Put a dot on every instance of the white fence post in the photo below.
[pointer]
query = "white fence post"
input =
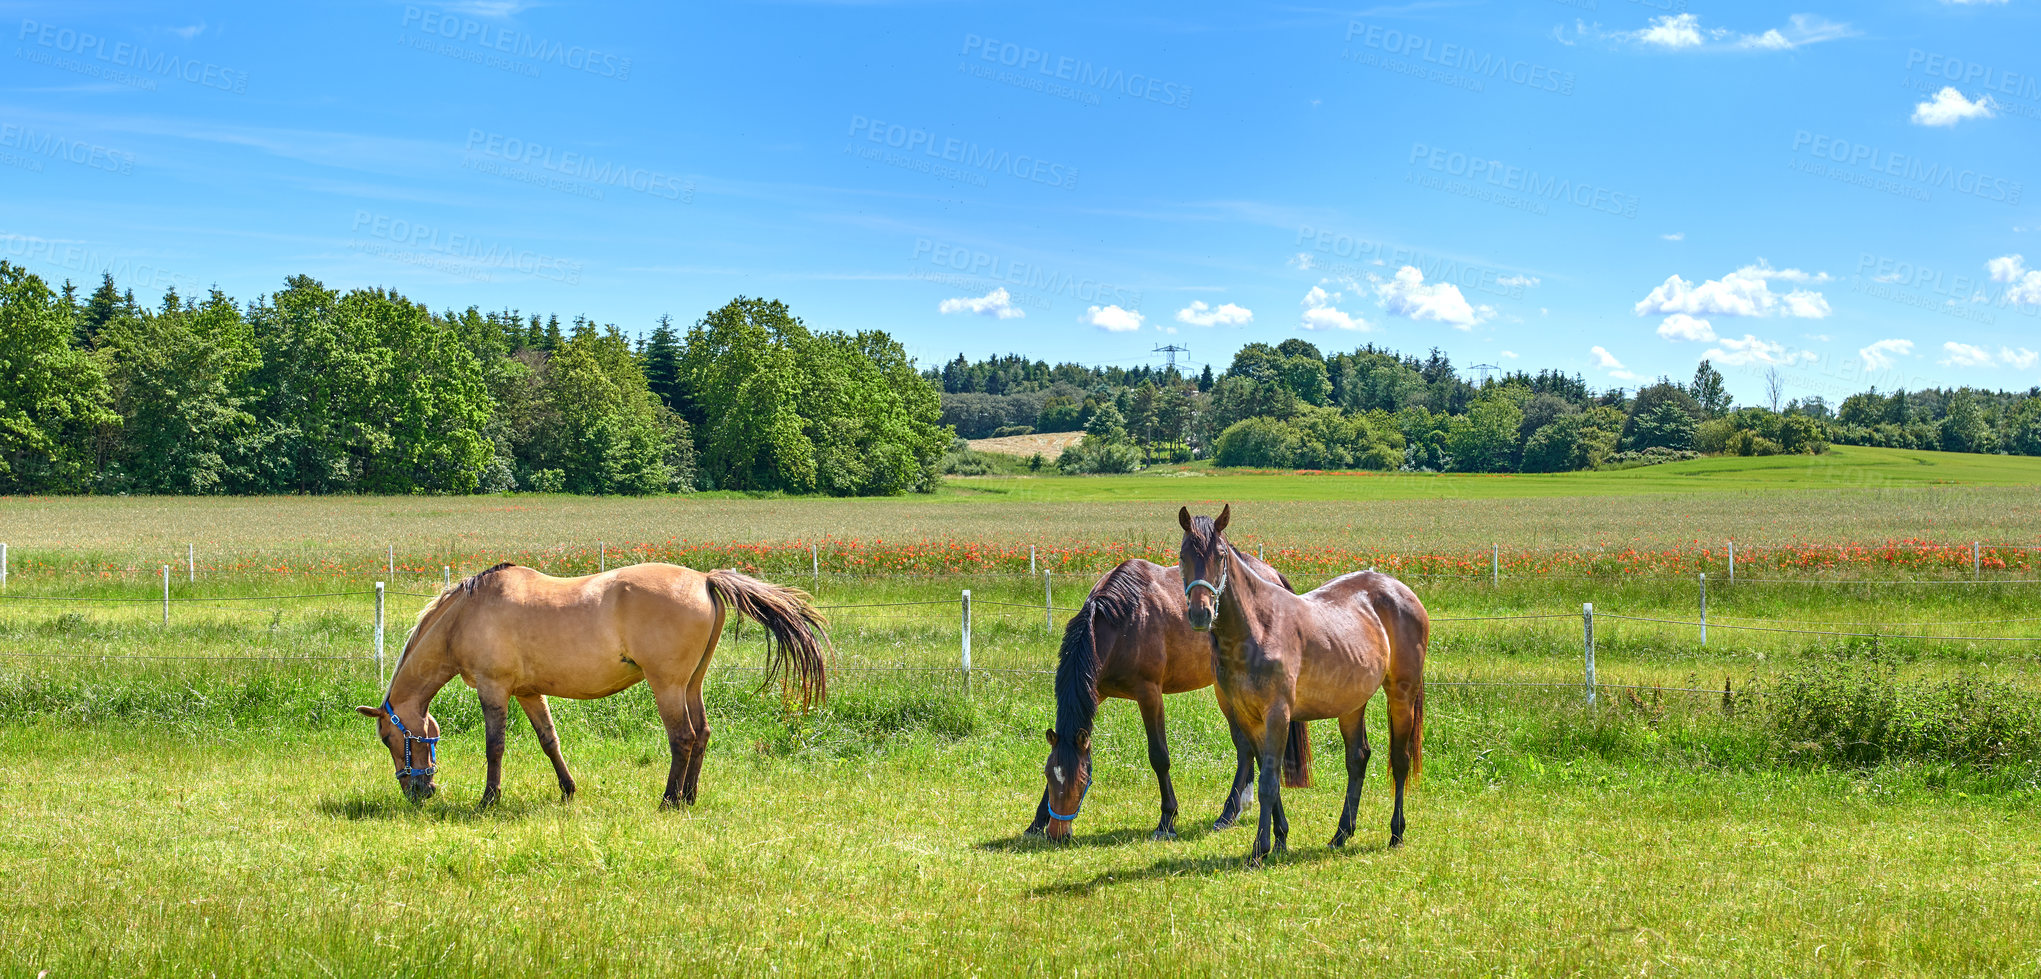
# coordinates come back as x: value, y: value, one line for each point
x: 1587, y: 625
x: 1976, y: 567
x: 3, y: 567
x: 446, y: 576
x: 1704, y: 608
x: 601, y: 556
x: 967, y: 641
x: 393, y: 561
x: 191, y: 563
x: 379, y: 632
x: 1495, y: 565
x: 1259, y: 554
x: 166, y: 596
x: 1732, y: 562
x: 1048, y: 603
x: 1031, y: 559
x: 815, y: 563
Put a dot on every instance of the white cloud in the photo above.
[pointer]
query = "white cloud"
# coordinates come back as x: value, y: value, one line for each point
x: 1302, y: 260
x: 1112, y: 319
x: 1949, y: 107
x: 190, y: 32
x: 1199, y: 314
x: 1885, y: 353
x: 1818, y: 337
x: 1685, y: 32
x: 1680, y: 326
x: 1675, y: 236
x: 1406, y: 295
x: 1509, y: 355
x: 996, y: 303
x: 1674, y: 31
x: 1518, y: 280
x: 1744, y: 292
x: 1965, y: 355
x: 1321, y: 314
x: 2019, y: 357
x: 1608, y: 362
x: 2012, y: 270
x: 1751, y: 350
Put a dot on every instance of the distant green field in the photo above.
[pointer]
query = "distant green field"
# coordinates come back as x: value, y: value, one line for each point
x: 1842, y: 468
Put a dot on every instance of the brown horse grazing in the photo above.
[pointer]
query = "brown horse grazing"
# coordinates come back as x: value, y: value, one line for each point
x: 514, y: 632
x: 1130, y: 640
x: 1282, y: 657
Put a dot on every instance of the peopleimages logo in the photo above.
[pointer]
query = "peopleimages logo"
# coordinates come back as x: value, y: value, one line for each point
x: 962, y: 152
x: 517, y: 43
x: 1445, y: 54
x: 575, y: 165
x: 57, y: 147
x: 1076, y: 71
x: 1538, y: 187
x: 1874, y: 160
x: 141, y: 60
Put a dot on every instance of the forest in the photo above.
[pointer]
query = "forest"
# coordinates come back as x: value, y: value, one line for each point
x: 314, y: 390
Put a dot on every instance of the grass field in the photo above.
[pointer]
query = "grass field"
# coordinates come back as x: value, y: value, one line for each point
x: 201, y: 798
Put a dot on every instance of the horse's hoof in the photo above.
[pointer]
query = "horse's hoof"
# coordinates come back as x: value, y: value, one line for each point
x: 1339, y: 839
x: 1222, y: 824
x: 1162, y: 834
x: 1395, y: 841
x: 1036, y: 832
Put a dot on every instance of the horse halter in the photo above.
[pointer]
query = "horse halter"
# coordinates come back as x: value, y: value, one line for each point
x: 431, y: 745
x: 1219, y: 589
x: 1059, y: 817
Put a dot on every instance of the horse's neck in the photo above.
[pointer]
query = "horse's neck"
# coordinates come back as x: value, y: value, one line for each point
x: 421, y: 671
x: 1246, y: 598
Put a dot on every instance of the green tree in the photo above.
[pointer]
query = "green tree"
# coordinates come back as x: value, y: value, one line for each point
x: 1487, y: 441
x: 180, y: 383
x: 662, y: 362
x: 1708, y: 391
x: 52, y: 394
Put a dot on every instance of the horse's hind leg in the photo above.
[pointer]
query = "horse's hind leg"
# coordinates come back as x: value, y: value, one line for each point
x: 495, y: 724
x: 1150, y: 699
x: 1242, y: 791
x: 1402, y: 724
x: 699, y: 715
x: 1354, y: 728
x: 542, y: 724
x: 672, y: 699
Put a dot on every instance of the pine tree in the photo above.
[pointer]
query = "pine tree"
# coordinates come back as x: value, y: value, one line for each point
x: 552, y: 339
x: 104, y: 305
x: 661, y: 355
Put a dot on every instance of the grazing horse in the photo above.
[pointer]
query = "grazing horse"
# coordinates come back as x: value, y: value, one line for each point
x: 1130, y: 640
x: 1281, y: 658
x: 514, y: 632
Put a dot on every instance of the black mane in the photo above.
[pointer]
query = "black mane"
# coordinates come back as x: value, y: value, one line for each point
x: 1115, y: 599
x: 468, y: 586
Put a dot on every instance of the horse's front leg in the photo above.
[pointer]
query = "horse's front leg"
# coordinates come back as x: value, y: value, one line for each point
x: 1273, y: 833
x: 1242, y: 791
x: 1040, y: 827
x: 1150, y: 699
x: 495, y: 724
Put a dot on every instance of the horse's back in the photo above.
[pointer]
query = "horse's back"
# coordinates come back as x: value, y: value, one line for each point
x: 585, y: 636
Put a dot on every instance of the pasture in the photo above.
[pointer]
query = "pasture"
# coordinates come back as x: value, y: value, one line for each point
x: 200, y: 796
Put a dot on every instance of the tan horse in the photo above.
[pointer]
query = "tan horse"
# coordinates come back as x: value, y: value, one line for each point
x: 1130, y: 640
x: 1282, y: 658
x: 512, y: 632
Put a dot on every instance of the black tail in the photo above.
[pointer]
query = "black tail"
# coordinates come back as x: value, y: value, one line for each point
x: 795, y: 627
x: 1297, y: 757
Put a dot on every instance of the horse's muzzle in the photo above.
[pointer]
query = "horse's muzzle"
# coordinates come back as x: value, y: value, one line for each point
x: 417, y: 790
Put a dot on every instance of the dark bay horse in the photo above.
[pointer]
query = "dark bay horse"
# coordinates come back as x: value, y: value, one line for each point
x: 1130, y: 640
x: 1282, y: 658
x: 512, y: 632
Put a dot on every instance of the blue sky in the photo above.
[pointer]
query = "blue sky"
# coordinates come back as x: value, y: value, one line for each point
x: 1845, y: 193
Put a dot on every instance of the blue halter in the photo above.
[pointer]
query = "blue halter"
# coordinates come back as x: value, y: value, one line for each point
x: 431, y: 745
x: 1059, y: 817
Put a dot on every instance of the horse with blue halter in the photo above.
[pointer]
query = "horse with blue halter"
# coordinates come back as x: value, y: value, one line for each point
x: 1130, y: 640
x: 1280, y: 658
x: 514, y: 633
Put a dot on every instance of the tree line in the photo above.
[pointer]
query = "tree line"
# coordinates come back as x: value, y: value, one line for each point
x: 1289, y: 405
x: 311, y: 390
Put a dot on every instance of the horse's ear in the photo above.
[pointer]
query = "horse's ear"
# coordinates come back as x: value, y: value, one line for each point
x: 1051, y: 732
x: 1183, y: 516
x: 1084, y: 743
x: 367, y: 711
x: 1225, y: 514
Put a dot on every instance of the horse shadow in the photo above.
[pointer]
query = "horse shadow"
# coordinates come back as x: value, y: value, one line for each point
x: 1200, y: 867
x: 359, y: 808
x: 1022, y: 842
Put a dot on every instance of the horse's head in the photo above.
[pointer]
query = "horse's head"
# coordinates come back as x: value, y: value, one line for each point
x: 414, y: 749
x: 1068, y: 772
x: 1206, y: 563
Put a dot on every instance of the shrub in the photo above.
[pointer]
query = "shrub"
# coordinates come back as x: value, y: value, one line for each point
x: 1004, y: 431
x: 1853, y: 710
